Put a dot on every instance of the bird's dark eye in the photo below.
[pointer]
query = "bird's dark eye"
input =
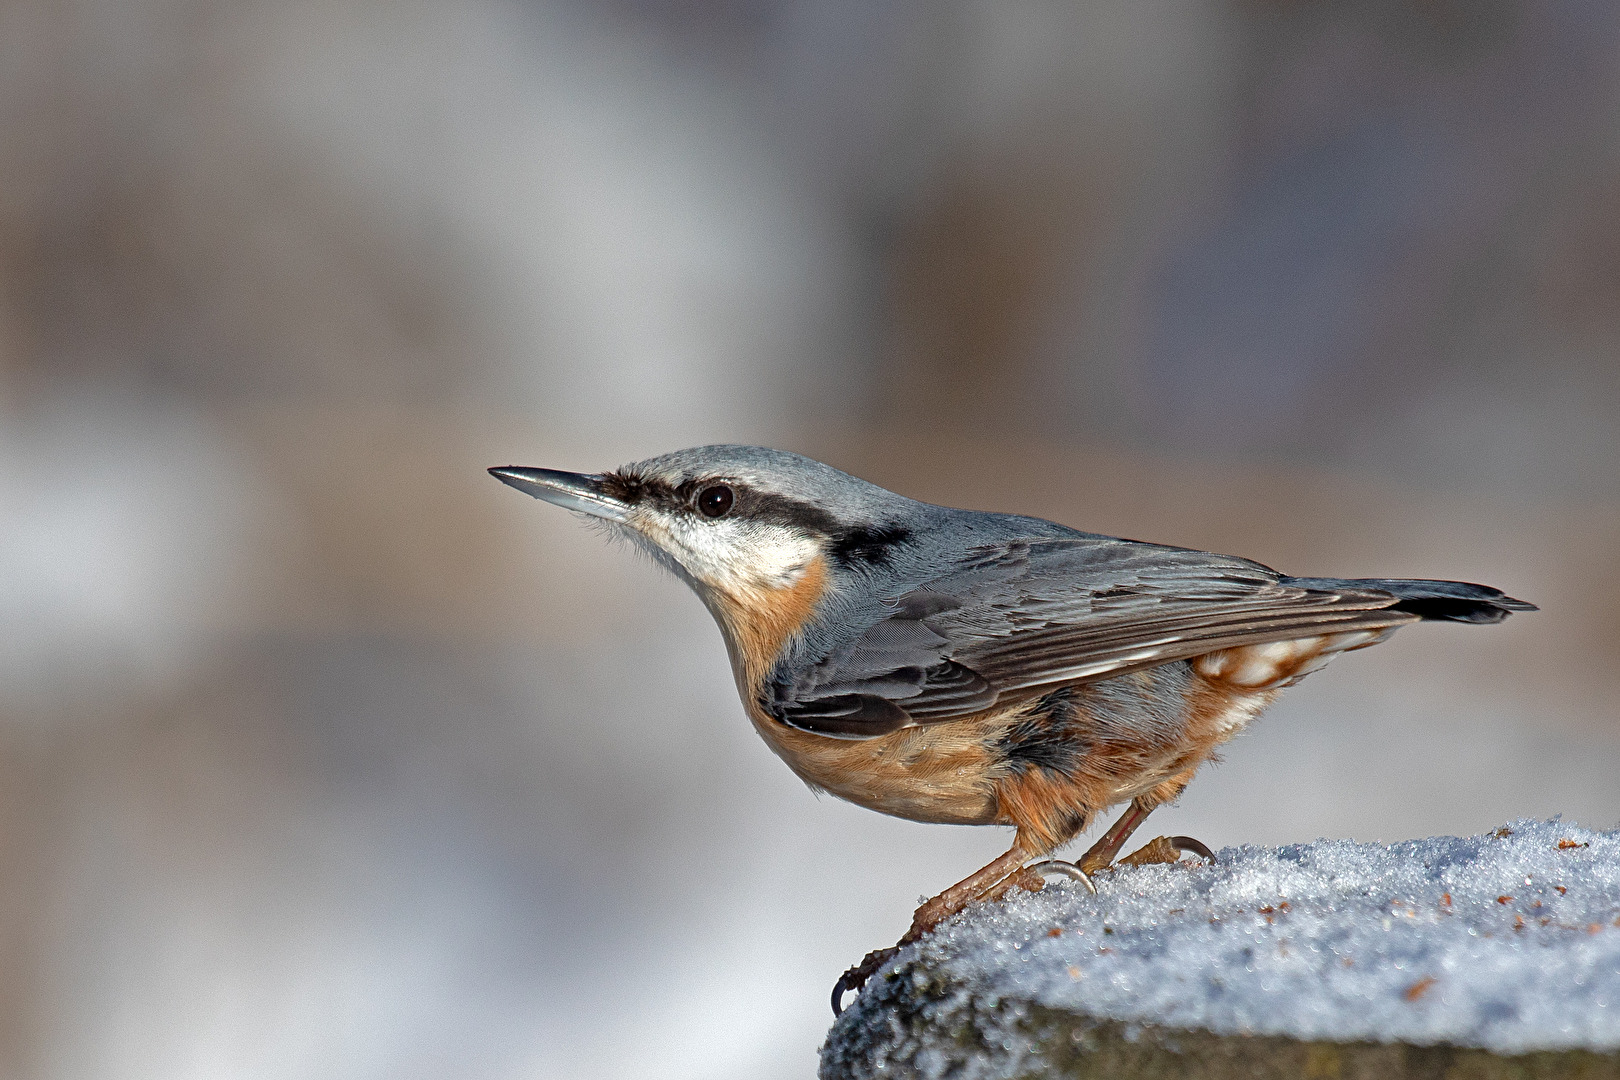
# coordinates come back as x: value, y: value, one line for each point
x: 714, y: 501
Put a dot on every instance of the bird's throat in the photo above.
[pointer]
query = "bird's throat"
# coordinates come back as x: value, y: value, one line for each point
x: 757, y: 622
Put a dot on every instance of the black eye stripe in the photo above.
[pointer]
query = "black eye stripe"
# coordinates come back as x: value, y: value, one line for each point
x: 868, y: 545
x: 848, y: 545
x: 774, y: 509
x: 632, y: 489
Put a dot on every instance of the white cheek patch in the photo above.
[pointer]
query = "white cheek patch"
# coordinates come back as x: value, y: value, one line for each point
x: 734, y: 555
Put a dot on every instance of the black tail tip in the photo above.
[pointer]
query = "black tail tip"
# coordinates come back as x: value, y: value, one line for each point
x: 1456, y: 601
x: 1448, y: 609
x: 1449, y: 601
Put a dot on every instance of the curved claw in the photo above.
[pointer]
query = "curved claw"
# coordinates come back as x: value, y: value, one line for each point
x: 1166, y: 849
x: 1066, y: 869
x: 1192, y: 847
x: 855, y: 977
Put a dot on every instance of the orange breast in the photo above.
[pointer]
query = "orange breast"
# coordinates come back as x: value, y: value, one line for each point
x: 940, y: 773
x: 758, y: 623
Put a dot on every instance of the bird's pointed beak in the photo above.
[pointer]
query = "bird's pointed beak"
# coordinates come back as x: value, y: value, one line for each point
x: 571, y: 491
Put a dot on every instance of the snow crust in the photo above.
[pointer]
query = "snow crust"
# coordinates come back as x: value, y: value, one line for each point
x: 1508, y: 941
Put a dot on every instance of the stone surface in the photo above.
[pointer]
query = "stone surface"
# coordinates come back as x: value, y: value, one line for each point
x: 1494, y: 955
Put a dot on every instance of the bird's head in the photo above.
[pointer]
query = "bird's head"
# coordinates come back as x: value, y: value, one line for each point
x: 738, y: 523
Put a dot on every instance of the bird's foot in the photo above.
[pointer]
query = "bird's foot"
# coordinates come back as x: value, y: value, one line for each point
x: 852, y: 980
x: 986, y: 883
x: 1046, y: 867
x: 1167, y: 849
x: 1032, y: 878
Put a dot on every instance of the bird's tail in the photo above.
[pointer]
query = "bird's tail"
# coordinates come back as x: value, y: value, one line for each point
x: 1452, y: 601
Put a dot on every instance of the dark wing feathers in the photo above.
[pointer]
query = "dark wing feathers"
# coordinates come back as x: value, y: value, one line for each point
x: 1068, y: 658
x: 1024, y: 614
x: 846, y: 716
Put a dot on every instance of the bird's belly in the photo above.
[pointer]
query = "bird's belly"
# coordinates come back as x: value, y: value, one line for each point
x: 942, y: 773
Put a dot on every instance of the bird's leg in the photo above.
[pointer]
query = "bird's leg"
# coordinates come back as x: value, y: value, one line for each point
x: 1162, y: 849
x: 936, y: 911
x: 1102, y: 853
x: 969, y: 889
x: 1025, y: 877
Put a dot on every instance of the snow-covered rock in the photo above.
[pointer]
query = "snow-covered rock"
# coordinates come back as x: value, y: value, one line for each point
x: 1507, y: 943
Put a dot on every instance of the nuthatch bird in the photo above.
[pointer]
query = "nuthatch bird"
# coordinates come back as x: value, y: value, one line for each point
x: 976, y: 668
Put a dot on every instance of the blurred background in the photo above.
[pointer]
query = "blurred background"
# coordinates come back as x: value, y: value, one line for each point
x: 323, y: 754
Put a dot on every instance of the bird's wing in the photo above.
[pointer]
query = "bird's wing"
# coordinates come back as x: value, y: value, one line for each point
x: 1014, y: 617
